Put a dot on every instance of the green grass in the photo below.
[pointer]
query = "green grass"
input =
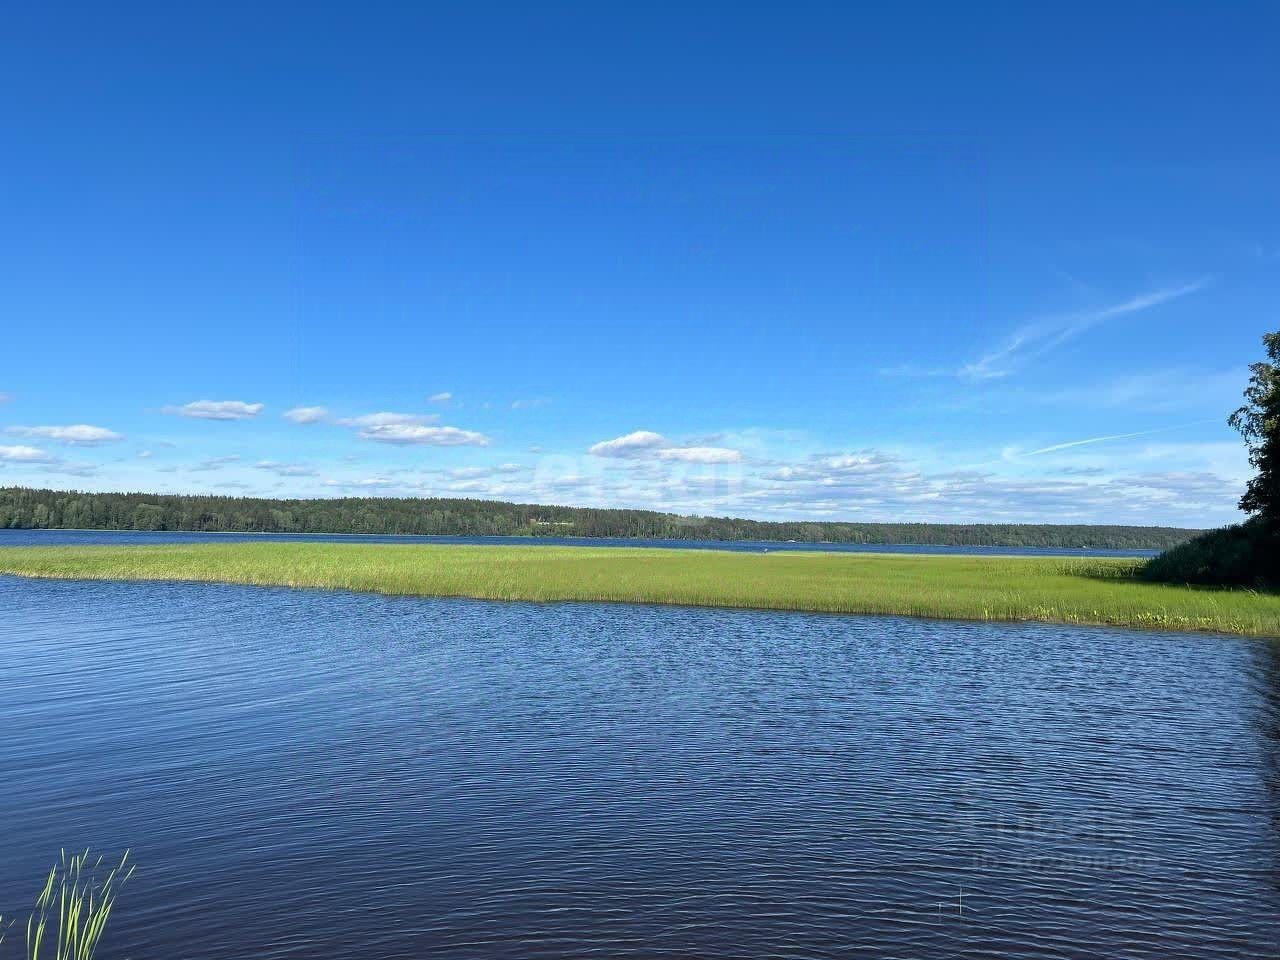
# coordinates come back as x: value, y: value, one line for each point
x: 958, y: 587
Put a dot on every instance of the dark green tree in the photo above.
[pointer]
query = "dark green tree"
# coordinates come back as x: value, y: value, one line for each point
x: 1245, y: 554
x: 1258, y: 420
x: 24, y: 507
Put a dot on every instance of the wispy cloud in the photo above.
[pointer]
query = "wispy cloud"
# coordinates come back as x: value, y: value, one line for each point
x: 5, y: 397
x: 700, y: 454
x: 213, y: 463
x: 1037, y: 339
x: 285, y: 469
x: 306, y: 415
x: 444, y: 396
x: 81, y: 434
x: 217, y: 410
x: 529, y: 404
x: 1155, y: 391
x: 471, y: 473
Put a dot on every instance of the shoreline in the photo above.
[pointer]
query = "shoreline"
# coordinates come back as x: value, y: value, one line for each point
x: 1072, y: 591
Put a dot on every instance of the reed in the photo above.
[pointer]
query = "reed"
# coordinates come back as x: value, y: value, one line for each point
x: 1055, y: 589
x: 72, y: 910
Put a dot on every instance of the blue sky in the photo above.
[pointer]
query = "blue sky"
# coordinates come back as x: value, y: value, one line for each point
x: 952, y: 262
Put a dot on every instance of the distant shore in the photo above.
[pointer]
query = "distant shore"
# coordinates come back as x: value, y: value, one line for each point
x: 1097, y: 591
x: 88, y: 536
x: 28, y: 508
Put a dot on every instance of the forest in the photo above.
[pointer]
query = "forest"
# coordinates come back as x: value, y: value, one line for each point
x: 26, y: 508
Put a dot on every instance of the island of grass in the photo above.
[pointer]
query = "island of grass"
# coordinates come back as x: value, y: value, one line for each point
x: 1050, y: 589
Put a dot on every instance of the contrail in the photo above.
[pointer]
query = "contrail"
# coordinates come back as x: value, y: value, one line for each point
x: 1039, y: 338
x: 1115, y: 436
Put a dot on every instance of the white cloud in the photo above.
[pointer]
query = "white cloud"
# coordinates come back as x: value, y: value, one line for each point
x: 411, y: 428
x: 285, y: 469
x: 1183, y: 487
x: 631, y: 445
x: 833, y: 468
x: 387, y: 419
x: 44, y: 461
x: 645, y: 444
x: 864, y: 461
x: 5, y: 397
x: 217, y: 410
x: 700, y: 454
x: 443, y: 396
x: 306, y: 414
x: 23, y: 454
x: 1039, y: 338
x: 78, y: 433
x: 409, y: 433
x: 528, y: 404
x: 878, y: 485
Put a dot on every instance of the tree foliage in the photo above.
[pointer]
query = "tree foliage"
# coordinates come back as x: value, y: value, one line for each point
x: 1258, y: 420
x: 1246, y: 554
x: 1242, y: 555
x: 28, y: 508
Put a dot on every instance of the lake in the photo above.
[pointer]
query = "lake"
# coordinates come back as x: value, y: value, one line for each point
x: 318, y: 774
x: 55, y: 538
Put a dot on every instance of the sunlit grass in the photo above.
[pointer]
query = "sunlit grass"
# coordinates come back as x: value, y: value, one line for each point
x: 1093, y: 591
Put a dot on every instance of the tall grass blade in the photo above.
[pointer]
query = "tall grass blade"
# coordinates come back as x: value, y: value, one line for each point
x: 85, y: 899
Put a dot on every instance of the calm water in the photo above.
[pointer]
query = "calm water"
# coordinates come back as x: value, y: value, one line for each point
x: 50, y: 538
x: 313, y: 774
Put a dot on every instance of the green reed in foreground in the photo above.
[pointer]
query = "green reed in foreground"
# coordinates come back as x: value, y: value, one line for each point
x: 72, y: 910
x: 1054, y: 589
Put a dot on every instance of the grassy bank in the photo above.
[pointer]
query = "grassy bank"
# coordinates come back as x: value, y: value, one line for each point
x: 976, y: 588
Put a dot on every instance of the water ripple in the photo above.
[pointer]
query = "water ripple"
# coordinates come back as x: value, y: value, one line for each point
x: 318, y: 774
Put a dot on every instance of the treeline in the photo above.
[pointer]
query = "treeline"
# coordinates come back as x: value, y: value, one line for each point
x: 26, y: 508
